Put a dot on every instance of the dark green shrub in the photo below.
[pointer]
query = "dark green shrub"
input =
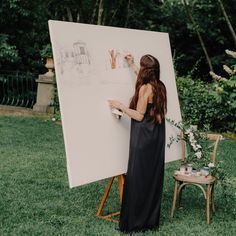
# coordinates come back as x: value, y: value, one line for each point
x: 224, y: 94
x: 46, y: 51
x: 212, y: 104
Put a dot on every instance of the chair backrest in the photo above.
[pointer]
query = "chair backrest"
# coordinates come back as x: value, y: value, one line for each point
x: 213, y: 137
x: 216, y: 138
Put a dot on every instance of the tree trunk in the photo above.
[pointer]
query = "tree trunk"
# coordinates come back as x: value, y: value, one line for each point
x: 113, y: 16
x: 69, y: 14
x: 104, y: 18
x: 94, y: 12
x: 128, y: 13
x: 227, y: 21
x: 100, y: 12
x: 78, y: 17
x: 199, y: 35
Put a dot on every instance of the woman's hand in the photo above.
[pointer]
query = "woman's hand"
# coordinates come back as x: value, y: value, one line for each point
x: 134, y: 114
x: 115, y: 104
x: 130, y: 59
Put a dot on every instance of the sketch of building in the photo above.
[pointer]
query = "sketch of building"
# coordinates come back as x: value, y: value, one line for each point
x: 75, y: 57
x: 81, y: 53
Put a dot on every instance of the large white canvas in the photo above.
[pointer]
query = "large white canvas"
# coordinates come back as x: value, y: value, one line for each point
x: 96, y: 142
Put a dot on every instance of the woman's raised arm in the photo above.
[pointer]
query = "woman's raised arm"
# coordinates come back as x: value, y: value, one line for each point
x: 130, y: 60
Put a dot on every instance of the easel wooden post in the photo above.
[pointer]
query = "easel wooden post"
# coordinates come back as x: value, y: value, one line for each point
x: 121, y: 180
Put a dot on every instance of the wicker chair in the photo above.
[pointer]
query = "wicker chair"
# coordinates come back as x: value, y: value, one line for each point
x: 206, y: 184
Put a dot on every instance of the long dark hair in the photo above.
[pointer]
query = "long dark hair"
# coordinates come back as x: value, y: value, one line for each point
x: 150, y: 73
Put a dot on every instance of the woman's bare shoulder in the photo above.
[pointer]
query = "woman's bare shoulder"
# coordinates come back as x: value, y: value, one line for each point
x: 145, y: 89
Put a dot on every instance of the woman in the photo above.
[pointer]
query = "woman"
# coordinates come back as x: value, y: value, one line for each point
x: 140, y: 209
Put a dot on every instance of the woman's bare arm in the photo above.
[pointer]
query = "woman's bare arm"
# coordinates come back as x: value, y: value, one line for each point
x: 138, y: 114
x: 135, y: 68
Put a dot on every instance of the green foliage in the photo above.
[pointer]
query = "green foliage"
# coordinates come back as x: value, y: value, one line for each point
x: 46, y: 51
x: 8, y: 53
x: 196, y: 104
x: 211, y: 104
x: 36, y: 198
x: 212, y: 26
x: 25, y: 24
x: 224, y: 94
x: 56, y: 103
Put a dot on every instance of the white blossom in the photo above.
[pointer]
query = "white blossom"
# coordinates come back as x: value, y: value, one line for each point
x: 191, y: 137
x: 192, y: 141
x: 187, y: 131
x: 198, y: 154
x: 231, y: 53
x: 216, y: 77
x: 193, y: 127
x: 219, y: 89
x: 199, y: 146
x: 211, y: 165
x: 191, y: 134
x: 228, y: 70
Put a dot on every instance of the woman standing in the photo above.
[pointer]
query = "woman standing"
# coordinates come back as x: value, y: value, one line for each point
x: 141, y: 202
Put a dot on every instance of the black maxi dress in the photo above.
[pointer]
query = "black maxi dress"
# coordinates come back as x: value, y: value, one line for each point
x: 141, y: 202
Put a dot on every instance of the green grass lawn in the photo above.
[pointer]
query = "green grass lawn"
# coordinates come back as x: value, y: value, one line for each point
x: 35, y: 198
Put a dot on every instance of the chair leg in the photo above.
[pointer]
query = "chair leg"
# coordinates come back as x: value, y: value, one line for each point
x: 208, y: 203
x: 180, y: 194
x: 212, y: 199
x: 174, y: 199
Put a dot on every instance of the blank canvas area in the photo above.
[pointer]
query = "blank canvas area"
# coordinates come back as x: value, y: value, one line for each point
x: 96, y: 142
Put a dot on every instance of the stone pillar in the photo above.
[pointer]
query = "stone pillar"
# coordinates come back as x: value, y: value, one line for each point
x: 45, y: 89
x: 44, y: 93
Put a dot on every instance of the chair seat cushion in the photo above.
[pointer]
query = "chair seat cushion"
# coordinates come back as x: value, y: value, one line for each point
x: 195, y: 179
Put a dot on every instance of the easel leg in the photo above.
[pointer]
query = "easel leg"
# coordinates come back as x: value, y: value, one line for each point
x: 121, y: 179
x: 104, y: 198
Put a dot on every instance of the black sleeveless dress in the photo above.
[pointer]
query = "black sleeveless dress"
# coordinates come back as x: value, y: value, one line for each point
x: 141, y: 203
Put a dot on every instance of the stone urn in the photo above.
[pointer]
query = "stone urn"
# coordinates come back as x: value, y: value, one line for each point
x: 50, y: 66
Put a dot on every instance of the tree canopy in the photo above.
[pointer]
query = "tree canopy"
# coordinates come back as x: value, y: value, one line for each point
x: 200, y: 30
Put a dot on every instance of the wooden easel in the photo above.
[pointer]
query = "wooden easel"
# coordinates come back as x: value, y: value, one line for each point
x: 121, y: 180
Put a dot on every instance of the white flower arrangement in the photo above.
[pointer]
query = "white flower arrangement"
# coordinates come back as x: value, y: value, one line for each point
x: 192, y: 141
x: 198, y: 150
